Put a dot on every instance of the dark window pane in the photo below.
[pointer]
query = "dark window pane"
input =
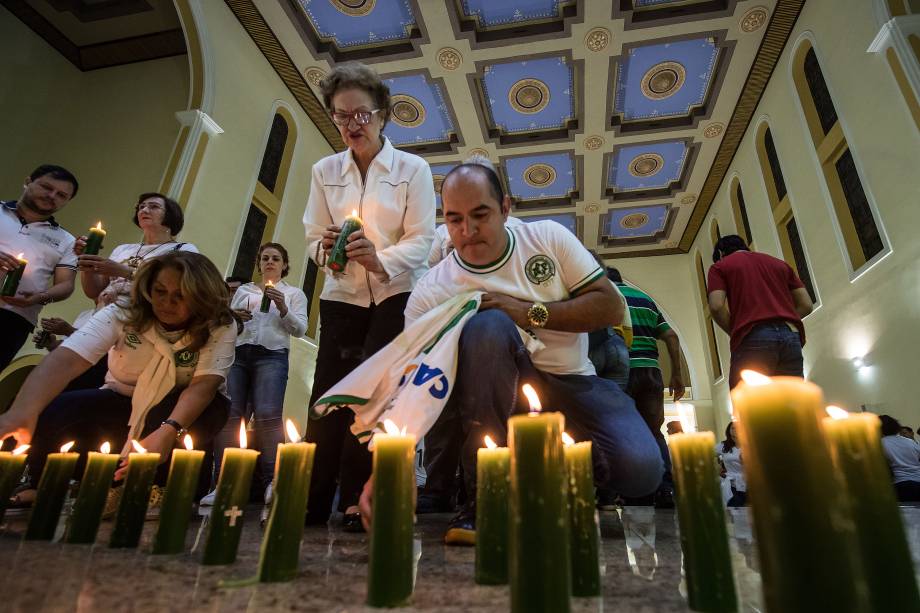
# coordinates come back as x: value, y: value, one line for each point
x: 744, y: 216
x: 775, y: 169
x: 309, y: 285
x: 798, y: 254
x: 866, y: 229
x: 827, y: 114
x: 274, y: 151
x: 249, y: 243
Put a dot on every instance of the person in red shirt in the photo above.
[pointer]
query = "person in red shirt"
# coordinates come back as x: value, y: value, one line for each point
x: 760, y: 302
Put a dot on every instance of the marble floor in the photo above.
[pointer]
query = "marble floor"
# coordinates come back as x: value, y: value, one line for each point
x: 641, y: 556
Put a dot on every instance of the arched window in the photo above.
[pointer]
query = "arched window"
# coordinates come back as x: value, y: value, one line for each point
x: 714, y: 232
x: 715, y: 360
x: 265, y: 207
x: 786, y: 227
x: 739, y: 211
x: 856, y: 219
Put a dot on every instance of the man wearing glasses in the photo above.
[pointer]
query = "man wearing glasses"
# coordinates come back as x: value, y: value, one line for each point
x: 27, y: 227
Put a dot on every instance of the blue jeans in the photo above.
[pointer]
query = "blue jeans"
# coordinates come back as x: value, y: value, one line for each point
x: 771, y: 348
x: 611, y: 360
x: 493, y: 364
x: 257, y: 382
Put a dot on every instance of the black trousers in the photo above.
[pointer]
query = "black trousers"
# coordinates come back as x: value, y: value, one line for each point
x: 91, y: 417
x: 14, y: 331
x: 646, y: 389
x: 349, y: 334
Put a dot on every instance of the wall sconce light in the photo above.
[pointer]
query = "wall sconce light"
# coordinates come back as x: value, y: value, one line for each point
x: 859, y: 362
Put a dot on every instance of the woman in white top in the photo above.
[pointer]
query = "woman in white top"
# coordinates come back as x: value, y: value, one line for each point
x: 361, y: 309
x: 169, y: 355
x: 161, y: 219
x: 259, y: 375
x: 729, y: 453
x: 903, y: 455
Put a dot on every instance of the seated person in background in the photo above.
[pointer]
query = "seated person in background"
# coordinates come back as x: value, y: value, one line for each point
x: 169, y: 355
x: 907, y: 432
x: 540, y: 278
x: 674, y: 427
x: 160, y: 219
x: 729, y: 452
x: 903, y: 455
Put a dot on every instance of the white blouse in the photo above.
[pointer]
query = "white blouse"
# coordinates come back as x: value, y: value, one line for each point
x: 734, y: 469
x: 132, y: 255
x: 270, y: 330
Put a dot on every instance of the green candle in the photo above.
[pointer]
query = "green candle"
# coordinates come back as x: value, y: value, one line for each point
x: 184, y: 470
x: 805, y: 535
x: 337, y: 256
x: 11, y: 466
x: 280, y: 554
x: 855, y: 441
x: 493, y: 466
x: 135, y: 496
x: 94, y: 489
x: 52, y: 490
x: 586, y: 532
x: 703, y: 533
x: 12, y: 278
x: 226, y: 522
x: 94, y: 240
x: 390, y: 576
x: 539, y: 563
x: 266, y: 301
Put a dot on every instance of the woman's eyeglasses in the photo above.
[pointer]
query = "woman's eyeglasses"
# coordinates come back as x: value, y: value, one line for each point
x: 362, y: 118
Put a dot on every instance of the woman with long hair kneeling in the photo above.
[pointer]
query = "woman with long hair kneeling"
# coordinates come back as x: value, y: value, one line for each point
x: 169, y: 353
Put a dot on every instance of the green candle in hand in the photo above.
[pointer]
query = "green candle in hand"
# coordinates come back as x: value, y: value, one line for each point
x: 337, y: 256
x: 135, y: 496
x: 94, y: 489
x: 11, y: 279
x: 11, y: 466
x: 493, y: 465
x: 184, y: 471
x: 52, y: 490
x: 94, y: 240
x: 280, y: 554
x: 586, y: 532
x: 266, y: 301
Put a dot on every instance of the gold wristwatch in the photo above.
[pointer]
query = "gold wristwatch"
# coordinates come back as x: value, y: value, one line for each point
x: 537, y: 315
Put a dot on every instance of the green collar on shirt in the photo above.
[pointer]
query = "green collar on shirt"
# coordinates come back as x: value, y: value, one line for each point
x: 487, y: 268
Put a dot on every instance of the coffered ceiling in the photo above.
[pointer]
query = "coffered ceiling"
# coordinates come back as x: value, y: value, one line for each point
x: 616, y: 118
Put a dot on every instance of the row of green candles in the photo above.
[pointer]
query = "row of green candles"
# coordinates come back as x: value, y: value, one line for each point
x: 281, y: 542
x: 828, y: 527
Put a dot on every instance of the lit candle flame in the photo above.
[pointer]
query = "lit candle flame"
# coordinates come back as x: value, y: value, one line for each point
x: 354, y: 212
x: 292, y: 432
x: 99, y: 226
x: 242, y: 434
x: 19, y: 257
x: 752, y: 377
x: 837, y: 412
x: 137, y: 447
x: 531, y: 393
x: 269, y: 284
x: 567, y: 440
x: 188, y: 442
x: 21, y: 449
x: 490, y: 443
x: 390, y: 427
x: 105, y: 447
x: 67, y: 446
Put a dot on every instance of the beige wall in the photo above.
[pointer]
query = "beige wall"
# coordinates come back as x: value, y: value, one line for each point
x: 876, y: 313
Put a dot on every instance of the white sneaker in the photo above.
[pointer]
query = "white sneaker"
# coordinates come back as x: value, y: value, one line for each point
x: 208, y: 500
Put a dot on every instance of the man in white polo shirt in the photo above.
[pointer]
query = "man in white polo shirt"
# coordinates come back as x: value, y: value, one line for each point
x: 540, y: 278
x: 27, y: 227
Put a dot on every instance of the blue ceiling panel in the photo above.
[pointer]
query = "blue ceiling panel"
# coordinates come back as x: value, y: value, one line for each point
x: 420, y: 114
x: 636, y: 222
x: 358, y: 23
x: 664, y: 80
x: 566, y: 219
x: 493, y: 13
x: 438, y: 172
x: 542, y: 176
x: 530, y: 95
x: 646, y: 166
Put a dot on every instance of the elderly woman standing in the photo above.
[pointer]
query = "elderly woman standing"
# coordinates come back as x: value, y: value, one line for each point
x: 361, y: 308
x: 160, y: 218
x: 169, y: 354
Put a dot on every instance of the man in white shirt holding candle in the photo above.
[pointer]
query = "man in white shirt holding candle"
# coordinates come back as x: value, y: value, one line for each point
x: 27, y: 227
x: 537, y: 277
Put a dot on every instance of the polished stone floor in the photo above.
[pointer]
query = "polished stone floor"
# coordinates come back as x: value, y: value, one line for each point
x: 641, y: 555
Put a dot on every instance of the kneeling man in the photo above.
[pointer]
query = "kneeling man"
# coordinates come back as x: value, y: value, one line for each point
x: 540, y: 278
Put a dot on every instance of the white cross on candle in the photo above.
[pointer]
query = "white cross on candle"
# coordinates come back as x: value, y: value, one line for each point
x: 233, y: 513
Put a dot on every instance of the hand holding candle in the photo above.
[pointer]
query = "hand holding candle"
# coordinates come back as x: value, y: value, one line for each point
x: 52, y: 490
x: 337, y: 256
x: 94, y: 240
x: 184, y: 471
x: 94, y: 489
x: 493, y: 465
x: 11, y: 466
x: 266, y: 301
x: 11, y: 281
